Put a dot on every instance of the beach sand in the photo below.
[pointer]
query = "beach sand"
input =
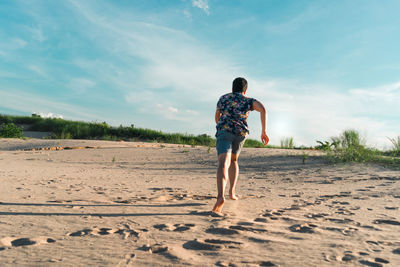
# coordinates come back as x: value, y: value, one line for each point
x: 102, y: 203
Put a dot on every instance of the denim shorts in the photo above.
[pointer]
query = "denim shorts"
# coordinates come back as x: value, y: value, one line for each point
x: 229, y: 142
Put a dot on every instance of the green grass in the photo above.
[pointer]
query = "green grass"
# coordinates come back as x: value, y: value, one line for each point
x: 66, y: 129
x: 395, y: 142
x: 252, y: 143
x: 287, y: 142
x: 396, y: 147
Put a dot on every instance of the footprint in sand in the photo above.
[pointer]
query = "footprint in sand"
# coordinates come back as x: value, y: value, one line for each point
x: 255, y: 263
x: 19, y: 242
x: 348, y: 258
x: 169, y: 253
x: 273, y: 214
x: 392, y: 208
x: 262, y: 220
x: 167, y: 189
x: 126, y: 232
x: 315, y: 215
x: 371, y: 263
x: 222, y: 231
x: 247, y: 228
x: 170, y: 193
x: 381, y: 260
x: 391, y: 222
x: 236, y: 229
x: 179, y: 227
x: 345, y: 231
x: 128, y: 259
x: 363, y: 190
x: 341, y: 221
x: 155, y: 248
x: 306, y: 228
x: 211, y: 244
x: 344, y: 211
x: 341, y: 202
x: 203, y: 197
x: 301, y: 203
x: 259, y: 240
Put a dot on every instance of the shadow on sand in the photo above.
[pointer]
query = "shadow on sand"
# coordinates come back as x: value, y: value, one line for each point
x: 104, y: 205
x: 90, y: 214
x: 98, y: 205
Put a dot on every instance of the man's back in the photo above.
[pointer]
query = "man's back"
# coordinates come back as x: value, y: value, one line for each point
x: 234, y: 109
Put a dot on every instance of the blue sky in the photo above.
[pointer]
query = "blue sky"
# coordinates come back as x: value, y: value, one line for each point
x: 320, y: 67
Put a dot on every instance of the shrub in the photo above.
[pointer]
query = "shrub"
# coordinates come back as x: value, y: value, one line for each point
x: 350, y: 147
x: 326, y: 145
x: 65, y: 129
x: 10, y: 130
x: 253, y: 143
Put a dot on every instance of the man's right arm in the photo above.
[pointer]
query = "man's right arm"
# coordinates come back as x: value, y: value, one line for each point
x: 263, y: 116
x: 217, y: 115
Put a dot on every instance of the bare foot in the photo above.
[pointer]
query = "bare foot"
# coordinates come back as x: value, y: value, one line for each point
x: 233, y: 196
x: 219, y: 204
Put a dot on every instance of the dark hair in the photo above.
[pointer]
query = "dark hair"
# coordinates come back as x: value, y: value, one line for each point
x: 239, y: 85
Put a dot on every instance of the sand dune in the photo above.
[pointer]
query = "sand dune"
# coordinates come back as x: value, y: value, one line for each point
x: 105, y: 203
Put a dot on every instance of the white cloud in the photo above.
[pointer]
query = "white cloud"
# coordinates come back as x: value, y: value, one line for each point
x: 307, y: 15
x: 187, y: 14
x: 36, y: 33
x: 173, y: 110
x: 9, y: 46
x: 387, y: 93
x: 202, y: 4
x: 13, y: 44
x: 48, y: 115
x: 17, y: 43
x: 167, y: 112
x: 37, y: 69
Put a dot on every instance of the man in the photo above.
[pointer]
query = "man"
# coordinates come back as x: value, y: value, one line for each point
x: 232, y: 130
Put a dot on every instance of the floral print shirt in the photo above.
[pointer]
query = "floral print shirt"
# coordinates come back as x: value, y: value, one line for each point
x: 234, y: 108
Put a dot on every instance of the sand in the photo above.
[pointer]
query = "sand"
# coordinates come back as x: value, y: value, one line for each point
x: 104, y: 203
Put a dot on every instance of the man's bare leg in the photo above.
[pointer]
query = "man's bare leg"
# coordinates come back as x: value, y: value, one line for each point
x: 233, y: 176
x: 222, y: 174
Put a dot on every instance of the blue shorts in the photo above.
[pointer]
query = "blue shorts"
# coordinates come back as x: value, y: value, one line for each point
x: 229, y: 142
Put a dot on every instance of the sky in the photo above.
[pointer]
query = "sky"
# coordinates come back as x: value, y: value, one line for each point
x: 319, y: 67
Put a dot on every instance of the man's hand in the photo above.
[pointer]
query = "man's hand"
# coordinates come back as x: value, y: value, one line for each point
x: 263, y: 117
x: 264, y: 138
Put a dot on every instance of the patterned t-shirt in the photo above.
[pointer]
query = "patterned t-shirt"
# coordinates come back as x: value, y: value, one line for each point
x: 234, y: 108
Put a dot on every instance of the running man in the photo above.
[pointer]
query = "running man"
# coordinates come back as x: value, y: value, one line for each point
x: 232, y: 130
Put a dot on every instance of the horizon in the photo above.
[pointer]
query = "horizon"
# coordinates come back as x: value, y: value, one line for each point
x: 319, y: 68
